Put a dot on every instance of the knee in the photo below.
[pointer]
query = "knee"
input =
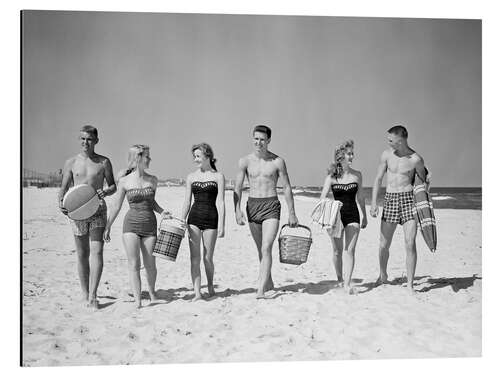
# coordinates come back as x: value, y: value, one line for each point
x: 337, y: 251
x: 207, y: 259
x: 195, y: 258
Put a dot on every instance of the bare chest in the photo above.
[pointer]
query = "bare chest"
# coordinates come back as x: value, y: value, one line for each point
x: 401, y: 165
x: 262, y: 169
x: 87, y: 170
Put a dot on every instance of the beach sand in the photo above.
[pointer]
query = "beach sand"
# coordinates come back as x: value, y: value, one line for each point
x: 308, y: 318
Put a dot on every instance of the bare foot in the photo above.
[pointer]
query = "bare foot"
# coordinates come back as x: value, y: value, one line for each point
x: 211, y: 291
x: 197, y: 297
x: 153, y: 297
x: 93, y: 304
x: 350, y: 290
x: 382, y: 280
x: 269, y: 286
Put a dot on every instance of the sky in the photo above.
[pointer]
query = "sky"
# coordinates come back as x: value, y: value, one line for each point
x: 173, y: 80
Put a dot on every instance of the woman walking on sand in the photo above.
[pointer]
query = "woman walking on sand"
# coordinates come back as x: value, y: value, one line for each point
x: 347, y: 185
x: 206, y: 218
x: 139, y: 224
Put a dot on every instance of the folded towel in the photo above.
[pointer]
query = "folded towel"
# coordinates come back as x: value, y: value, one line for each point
x: 326, y: 213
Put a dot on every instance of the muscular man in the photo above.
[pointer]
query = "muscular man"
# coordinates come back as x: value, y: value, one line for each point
x: 400, y: 163
x: 92, y: 169
x: 263, y: 168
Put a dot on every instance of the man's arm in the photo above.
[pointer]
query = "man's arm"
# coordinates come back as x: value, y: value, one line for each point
x: 287, y: 191
x: 382, y: 168
x: 420, y: 170
x: 220, y: 204
x: 110, y: 180
x: 238, y: 185
x: 67, y: 179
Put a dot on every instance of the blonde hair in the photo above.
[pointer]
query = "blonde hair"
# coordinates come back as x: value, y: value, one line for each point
x: 335, y: 169
x: 134, y: 155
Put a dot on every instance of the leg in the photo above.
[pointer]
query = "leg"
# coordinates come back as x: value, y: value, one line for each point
x: 209, y: 237
x: 131, y: 243
x: 386, y: 233
x: 194, y: 248
x: 269, y: 231
x: 96, y: 263
x: 410, y: 232
x: 351, y: 232
x: 337, y: 245
x: 83, y: 252
x: 147, y: 246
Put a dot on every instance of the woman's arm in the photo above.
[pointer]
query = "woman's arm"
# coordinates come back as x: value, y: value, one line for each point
x: 326, y: 187
x: 187, y: 199
x: 220, y: 204
x: 360, y: 198
x: 116, y: 207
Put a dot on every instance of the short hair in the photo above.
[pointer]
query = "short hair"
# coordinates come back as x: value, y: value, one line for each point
x: 89, y: 129
x: 399, y: 131
x: 263, y: 129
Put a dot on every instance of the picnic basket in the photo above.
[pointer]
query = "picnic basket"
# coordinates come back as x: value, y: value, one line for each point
x: 294, y: 248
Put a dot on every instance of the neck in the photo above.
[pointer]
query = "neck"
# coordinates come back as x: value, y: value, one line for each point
x: 260, y: 154
x: 140, y: 171
x: 87, y: 154
x: 205, y: 168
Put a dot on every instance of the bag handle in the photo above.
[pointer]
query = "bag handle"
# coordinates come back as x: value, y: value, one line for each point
x: 298, y: 226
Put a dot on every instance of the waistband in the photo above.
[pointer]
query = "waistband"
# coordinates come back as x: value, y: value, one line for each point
x: 265, y: 199
x: 399, y: 194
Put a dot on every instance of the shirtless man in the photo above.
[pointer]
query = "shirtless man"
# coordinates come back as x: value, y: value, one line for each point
x: 89, y: 168
x: 401, y: 163
x: 263, y: 168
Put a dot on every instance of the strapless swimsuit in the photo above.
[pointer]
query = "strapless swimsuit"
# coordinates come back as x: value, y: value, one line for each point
x: 203, y: 213
x: 140, y: 219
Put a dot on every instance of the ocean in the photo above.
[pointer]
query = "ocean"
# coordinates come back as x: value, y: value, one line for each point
x: 460, y: 198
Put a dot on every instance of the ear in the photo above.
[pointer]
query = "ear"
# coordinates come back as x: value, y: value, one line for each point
x: 96, y: 140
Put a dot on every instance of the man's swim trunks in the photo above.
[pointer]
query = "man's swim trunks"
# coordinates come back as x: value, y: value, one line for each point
x: 98, y: 220
x: 260, y: 209
x: 398, y: 207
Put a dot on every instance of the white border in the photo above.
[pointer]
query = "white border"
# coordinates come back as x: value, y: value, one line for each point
x: 421, y: 9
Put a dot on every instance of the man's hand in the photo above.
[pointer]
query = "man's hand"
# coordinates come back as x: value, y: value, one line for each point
x: 240, y: 218
x: 374, y: 210
x: 292, y: 220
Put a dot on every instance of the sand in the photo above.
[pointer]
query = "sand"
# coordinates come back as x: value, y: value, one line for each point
x: 309, y: 317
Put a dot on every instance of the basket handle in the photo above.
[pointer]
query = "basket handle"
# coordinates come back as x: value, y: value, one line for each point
x: 298, y: 225
x: 172, y: 218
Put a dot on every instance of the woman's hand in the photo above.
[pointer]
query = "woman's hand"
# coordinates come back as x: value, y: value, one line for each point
x: 220, y: 233
x: 106, y: 235
x: 166, y: 215
x: 364, y: 222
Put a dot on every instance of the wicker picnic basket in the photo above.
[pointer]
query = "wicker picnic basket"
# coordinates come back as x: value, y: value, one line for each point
x: 170, y: 235
x: 294, y: 249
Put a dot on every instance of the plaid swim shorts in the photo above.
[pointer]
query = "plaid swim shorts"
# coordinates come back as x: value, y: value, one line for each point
x: 98, y: 220
x: 398, y: 207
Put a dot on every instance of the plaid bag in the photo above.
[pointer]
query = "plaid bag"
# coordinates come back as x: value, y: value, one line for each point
x: 168, y: 241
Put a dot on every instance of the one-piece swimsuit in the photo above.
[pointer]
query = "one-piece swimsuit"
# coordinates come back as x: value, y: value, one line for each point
x: 346, y: 193
x: 203, y: 213
x: 140, y: 219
